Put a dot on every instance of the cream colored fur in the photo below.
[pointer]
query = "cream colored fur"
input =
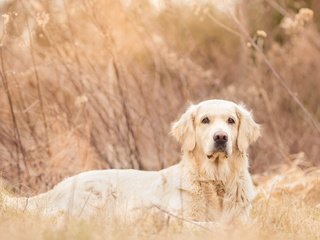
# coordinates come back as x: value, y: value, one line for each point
x: 204, y: 186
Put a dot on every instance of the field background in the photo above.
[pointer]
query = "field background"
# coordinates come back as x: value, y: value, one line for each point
x: 95, y: 84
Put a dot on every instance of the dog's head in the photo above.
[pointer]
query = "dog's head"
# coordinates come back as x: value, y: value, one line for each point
x: 216, y: 128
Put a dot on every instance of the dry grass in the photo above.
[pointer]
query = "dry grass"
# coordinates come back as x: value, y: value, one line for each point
x: 286, y: 207
x: 91, y: 84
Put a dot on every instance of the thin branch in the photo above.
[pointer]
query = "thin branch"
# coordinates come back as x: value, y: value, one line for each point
x: 278, y: 77
x: 182, y: 219
x: 244, y: 33
x: 14, y: 120
x: 222, y: 25
x: 278, y: 8
x: 38, y: 85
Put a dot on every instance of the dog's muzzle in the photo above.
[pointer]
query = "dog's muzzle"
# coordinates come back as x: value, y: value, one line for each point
x: 220, y: 139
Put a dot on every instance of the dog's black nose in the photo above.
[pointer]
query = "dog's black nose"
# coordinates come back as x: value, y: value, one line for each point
x: 220, y: 137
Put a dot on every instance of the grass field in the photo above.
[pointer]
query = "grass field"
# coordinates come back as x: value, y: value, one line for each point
x: 93, y: 84
x: 286, y: 207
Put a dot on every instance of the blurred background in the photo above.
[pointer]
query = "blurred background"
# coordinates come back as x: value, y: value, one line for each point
x: 95, y: 84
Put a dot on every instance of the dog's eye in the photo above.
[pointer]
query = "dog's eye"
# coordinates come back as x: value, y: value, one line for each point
x: 205, y: 120
x: 231, y: 120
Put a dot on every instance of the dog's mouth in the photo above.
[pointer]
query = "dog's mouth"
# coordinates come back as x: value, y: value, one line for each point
x: 210, y: 156
x: 218, y: 152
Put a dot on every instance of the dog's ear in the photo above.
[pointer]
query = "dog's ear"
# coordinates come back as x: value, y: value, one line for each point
x: 248, y: 131
x: 183, y: 130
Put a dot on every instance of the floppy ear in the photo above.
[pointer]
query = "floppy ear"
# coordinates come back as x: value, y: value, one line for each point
x: 183, y: 130
x: 248, y: 131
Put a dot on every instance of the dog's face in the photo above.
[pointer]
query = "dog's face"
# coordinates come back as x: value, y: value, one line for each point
x: 216, y: 128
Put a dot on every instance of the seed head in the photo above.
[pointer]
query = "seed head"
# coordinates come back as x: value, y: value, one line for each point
x: 262, y: 34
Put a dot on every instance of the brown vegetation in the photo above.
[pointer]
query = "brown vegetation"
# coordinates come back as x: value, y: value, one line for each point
x: 93, y: 84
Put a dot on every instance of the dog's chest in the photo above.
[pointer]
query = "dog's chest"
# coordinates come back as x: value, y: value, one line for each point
x: 206, y: 200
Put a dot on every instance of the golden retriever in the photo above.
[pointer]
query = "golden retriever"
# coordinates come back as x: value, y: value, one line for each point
x: 210, y: 182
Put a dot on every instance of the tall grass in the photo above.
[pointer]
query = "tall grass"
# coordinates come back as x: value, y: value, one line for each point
x: 94, y: 84
x: 286, y: 207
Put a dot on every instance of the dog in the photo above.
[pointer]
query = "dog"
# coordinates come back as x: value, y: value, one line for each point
x: 211, y: 182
